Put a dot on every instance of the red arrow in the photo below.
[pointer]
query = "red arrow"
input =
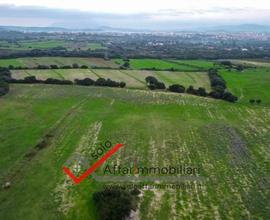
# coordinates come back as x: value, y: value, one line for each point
x: 94, y: 167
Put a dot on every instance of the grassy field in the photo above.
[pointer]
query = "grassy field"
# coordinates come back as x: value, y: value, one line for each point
x: 46, y: 44
x: 252, y: 63
x: 167, y: 64
x: 229, y: 141
x: 60, y: 61
x: 133, y: 78
x: 252, y: 83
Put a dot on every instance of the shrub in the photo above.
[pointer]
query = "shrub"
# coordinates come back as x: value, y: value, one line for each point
x: 201, y: 92
x: 152, y: 87
x: 122, y: 84
x: 160, y: 85
x: 54, y: 67
x: 58, y: 81
x: 84, y: 67
x: 258, y: 101
x: 114, y: 204
x: 177, y: 88
x: 85, y: 82
x: 4, y: 87
x: 151, y: 80
x: 43, y: 67
x: 75, y: 66
x: 251, y: 101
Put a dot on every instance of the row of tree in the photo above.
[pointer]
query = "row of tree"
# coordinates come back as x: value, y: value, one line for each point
x: 84, y: 82
x: 54, y: 66
x: 219, y: 87
x: 4, y: 86
x: 217, y: 82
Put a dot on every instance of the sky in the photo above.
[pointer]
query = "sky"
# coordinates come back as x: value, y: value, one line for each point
x: 170, y: 14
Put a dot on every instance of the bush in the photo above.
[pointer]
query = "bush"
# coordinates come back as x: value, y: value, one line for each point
x: 85, y: 82
x: 75, y: 66
x: 251, y: 101
x: 58, y: 81
x: 43, y: 67
x: 4, y: 87
x: 152, y: 87
x: 54, y: 67
x: 122, y: 84
x: 191, y: 90
x: 160, y: 85
x: 84, y: 67
x: 114, y: 204
x: 151, y: 80
x: 177, y: 88
x: 229, y: 97
x: 202, y: 92
x: 31, y: 79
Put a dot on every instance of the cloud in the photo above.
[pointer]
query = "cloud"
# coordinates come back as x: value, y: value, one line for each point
x: 162, y: 19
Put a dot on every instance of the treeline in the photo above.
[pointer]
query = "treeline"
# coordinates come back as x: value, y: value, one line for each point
x: 4, y: 86
x: 84, y: 82
x: 51, y: 52
x: 218, y: 85
x: 54, y: 66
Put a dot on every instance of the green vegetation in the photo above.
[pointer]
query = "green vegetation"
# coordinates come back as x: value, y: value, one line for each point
x: 33, y: 62
x: 252, y: 83
x: 133, y: 78
x: 42, y: 126
x: 47, y: 44
x: 166, y: 64
x: 229, y: 141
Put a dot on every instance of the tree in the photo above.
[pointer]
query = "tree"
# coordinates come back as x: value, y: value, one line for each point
x: 4, y: 87
x: 126, y: 65
x: 177, y: 88
x: 251, y: 101
x: 75, y: 66
x: 229, y: 97
x: 54, y: 66
x: 31, y: 79
x: 85, y: 82
x: 160, y: 85
x: 122, y: 84
x: 84, y: 67
x: 152, y: 86
x: 202, y: 92
x: 191, y: 90
x: 151, y: 80
x: 114, y: 204
x: 258, y: 101
x: 240, y: 68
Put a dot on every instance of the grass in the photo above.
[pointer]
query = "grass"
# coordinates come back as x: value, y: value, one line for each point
x: 47, y: 44
x: 158, y: 64
x: 252, y: 83
x: 133, y: 78
x: 229, y: 141
x: 60, y: 61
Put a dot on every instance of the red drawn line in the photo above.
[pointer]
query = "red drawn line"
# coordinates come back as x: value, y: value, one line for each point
x: 94, y: 167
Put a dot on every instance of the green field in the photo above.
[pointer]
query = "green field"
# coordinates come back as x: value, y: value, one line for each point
x: 167, y: 64
x: 229, y: 141
x: 133, y: 78
x: 46, y: 44
x: 60, y: 61
x: 252, y: 83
